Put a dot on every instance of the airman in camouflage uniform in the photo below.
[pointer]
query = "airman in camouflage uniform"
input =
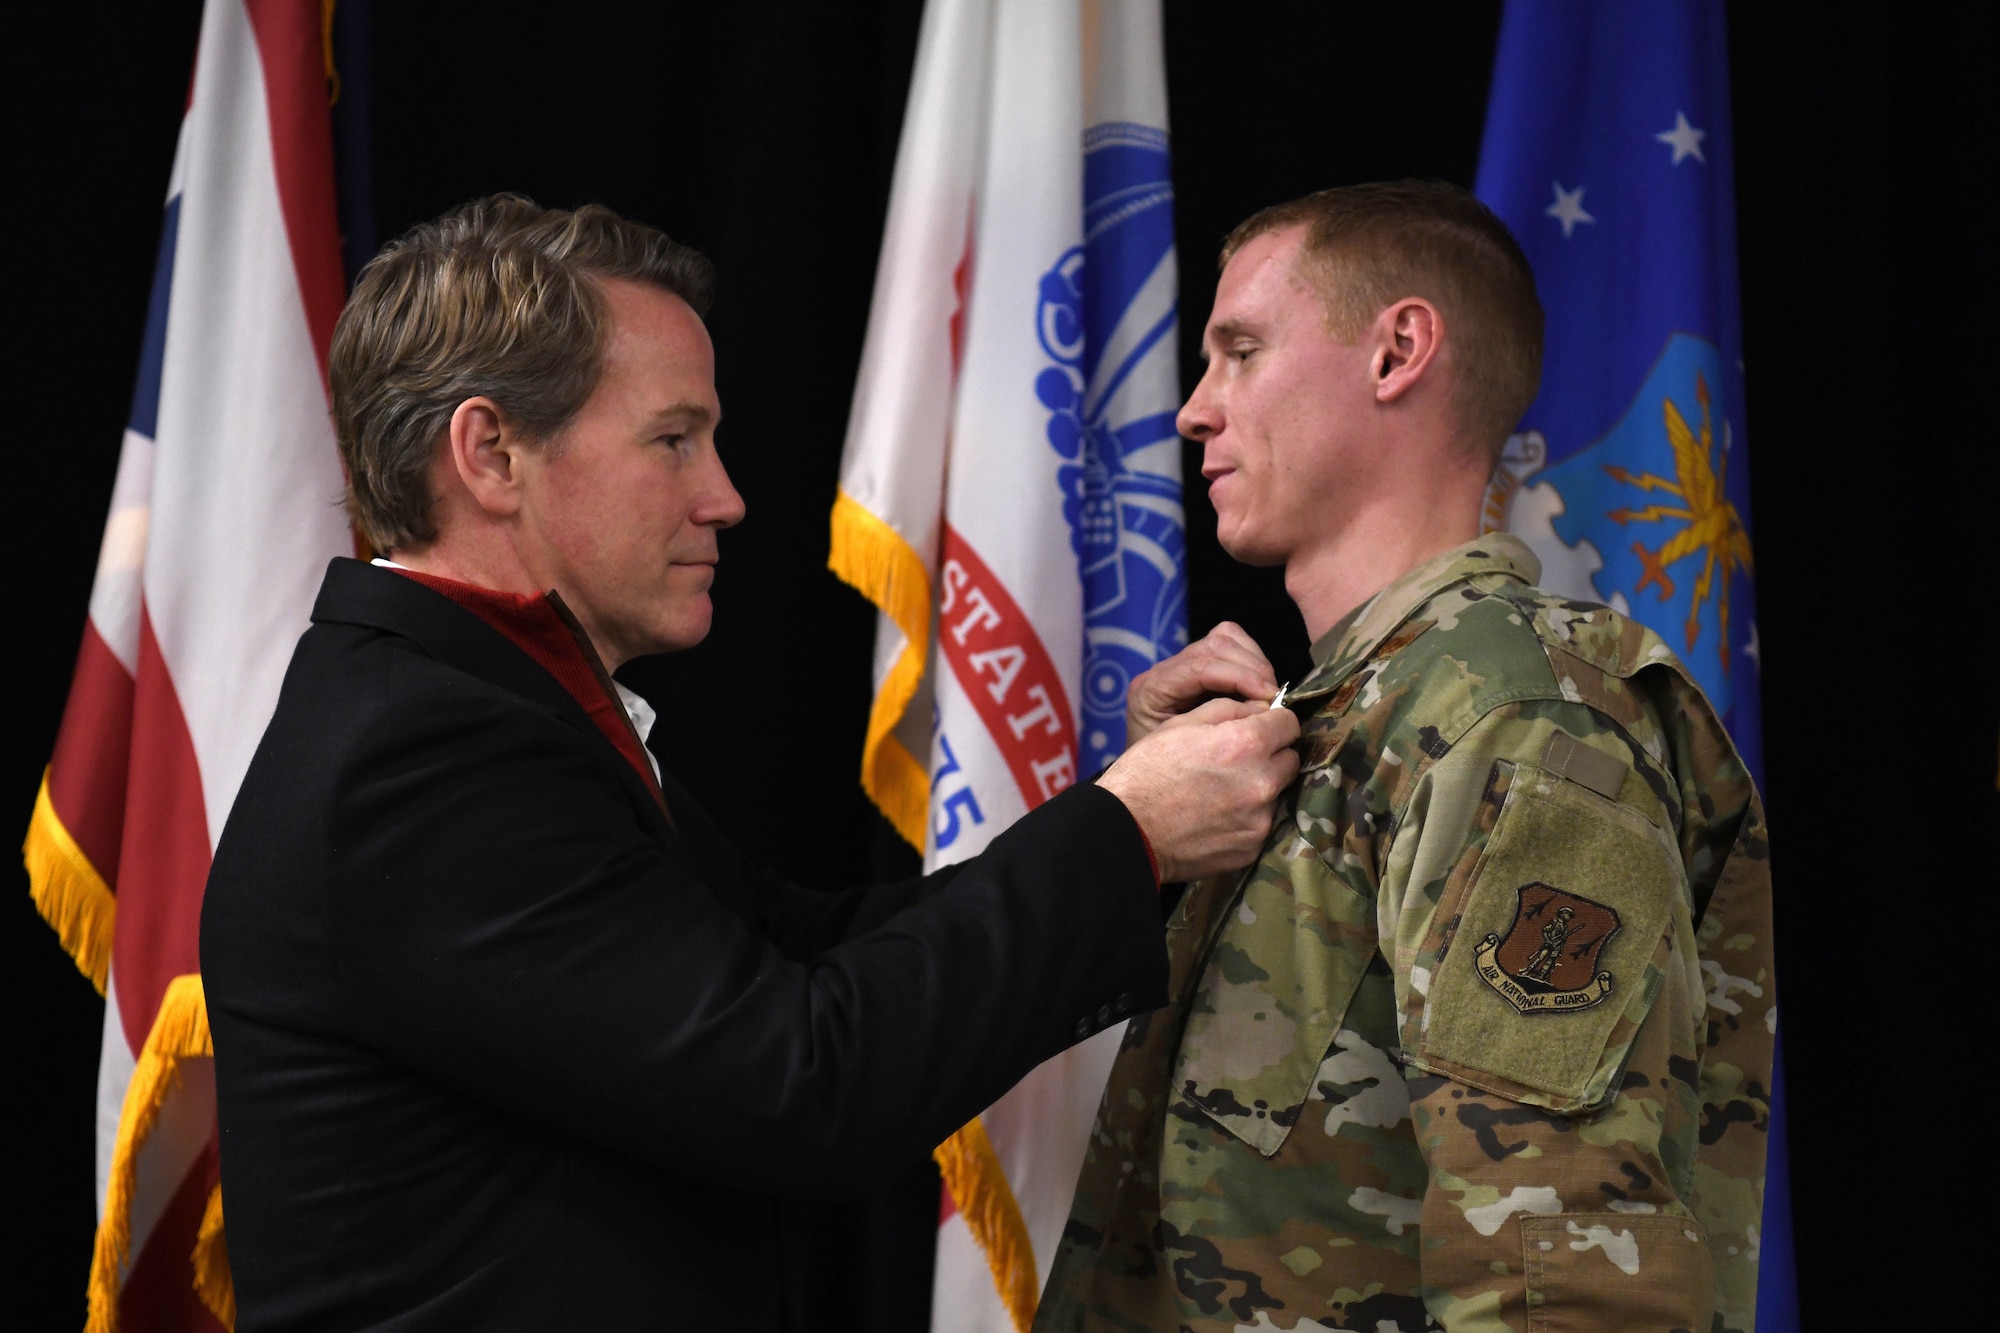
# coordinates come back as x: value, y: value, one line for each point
x: 1348, y: 1115
x: 1482, y: 1041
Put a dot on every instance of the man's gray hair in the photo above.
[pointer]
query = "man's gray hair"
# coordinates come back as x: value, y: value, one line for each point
x: 497, y: 299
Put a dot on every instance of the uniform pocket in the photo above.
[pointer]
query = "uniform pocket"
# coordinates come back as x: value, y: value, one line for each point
x: 1587, y: 1272
x: 1287, y: 958
x: 1557, y: 941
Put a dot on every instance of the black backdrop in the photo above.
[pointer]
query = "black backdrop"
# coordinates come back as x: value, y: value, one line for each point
x: 765, y: 134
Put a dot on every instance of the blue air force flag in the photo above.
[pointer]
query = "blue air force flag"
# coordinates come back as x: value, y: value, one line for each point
x: 1607, y: 151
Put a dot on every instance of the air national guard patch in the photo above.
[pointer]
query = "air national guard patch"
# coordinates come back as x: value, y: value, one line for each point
x: 1546, y: 963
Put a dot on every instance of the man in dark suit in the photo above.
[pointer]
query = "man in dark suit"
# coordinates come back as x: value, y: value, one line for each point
x: 506, y: 1035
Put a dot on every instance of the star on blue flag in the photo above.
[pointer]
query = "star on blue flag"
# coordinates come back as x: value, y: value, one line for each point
x: 1568, y: 209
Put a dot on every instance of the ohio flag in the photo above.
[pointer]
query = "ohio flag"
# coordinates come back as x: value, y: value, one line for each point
x: 1010, y: 499
x: 223, y: 515
x: 1608, y: 153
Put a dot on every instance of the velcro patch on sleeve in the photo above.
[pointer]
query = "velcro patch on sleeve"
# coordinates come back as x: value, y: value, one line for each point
x: 1595, y: 769
x: 1555, y: 944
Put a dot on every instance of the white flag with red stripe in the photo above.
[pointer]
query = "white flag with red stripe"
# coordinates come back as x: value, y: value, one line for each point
x: 223, y: 516
x: 1010, y: 499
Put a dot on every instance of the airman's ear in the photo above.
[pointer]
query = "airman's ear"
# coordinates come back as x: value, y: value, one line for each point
x: 485, y: 452
x: 1408, y: 335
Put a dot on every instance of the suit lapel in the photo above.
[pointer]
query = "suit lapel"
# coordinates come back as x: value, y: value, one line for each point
x: 354, y: 593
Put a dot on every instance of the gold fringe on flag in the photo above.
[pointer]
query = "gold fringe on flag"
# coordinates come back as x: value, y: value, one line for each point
x: 180, y: 1032
x: 326, y: 49
x: 211, y: 1264
x: 69, y: 893
x: 874, y: 559
x: 979, y: 1187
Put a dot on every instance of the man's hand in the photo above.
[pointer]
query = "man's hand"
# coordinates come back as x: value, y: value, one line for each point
x: 1203, y: 789
x: 1225, y: 661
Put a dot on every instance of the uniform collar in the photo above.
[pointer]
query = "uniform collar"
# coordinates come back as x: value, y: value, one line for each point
x: 1355, y: 637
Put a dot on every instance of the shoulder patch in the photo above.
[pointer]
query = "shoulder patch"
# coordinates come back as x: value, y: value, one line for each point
x: 1568, y: 909
x: 1547, y: 961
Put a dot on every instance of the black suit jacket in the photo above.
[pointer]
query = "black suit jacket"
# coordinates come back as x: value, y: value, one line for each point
x: 499, y: 1047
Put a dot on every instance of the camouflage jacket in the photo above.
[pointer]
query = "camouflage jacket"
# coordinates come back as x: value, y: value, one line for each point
x: 1482, y: 1042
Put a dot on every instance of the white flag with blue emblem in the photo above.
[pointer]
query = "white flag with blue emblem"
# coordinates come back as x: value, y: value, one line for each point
x: 1011, y: 501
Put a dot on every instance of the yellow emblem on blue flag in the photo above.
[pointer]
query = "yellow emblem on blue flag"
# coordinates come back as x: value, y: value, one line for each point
x: 1643, y: 517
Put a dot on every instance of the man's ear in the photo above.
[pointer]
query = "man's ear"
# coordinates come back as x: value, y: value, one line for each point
x: 1408, y: 335
x: 485, y: 452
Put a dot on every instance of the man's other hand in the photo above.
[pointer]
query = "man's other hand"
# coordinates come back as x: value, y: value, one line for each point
x: 1203, y: 789
x: 1225, y: 661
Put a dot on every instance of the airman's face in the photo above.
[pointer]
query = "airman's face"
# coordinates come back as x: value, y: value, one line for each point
x: 1281, y: 410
